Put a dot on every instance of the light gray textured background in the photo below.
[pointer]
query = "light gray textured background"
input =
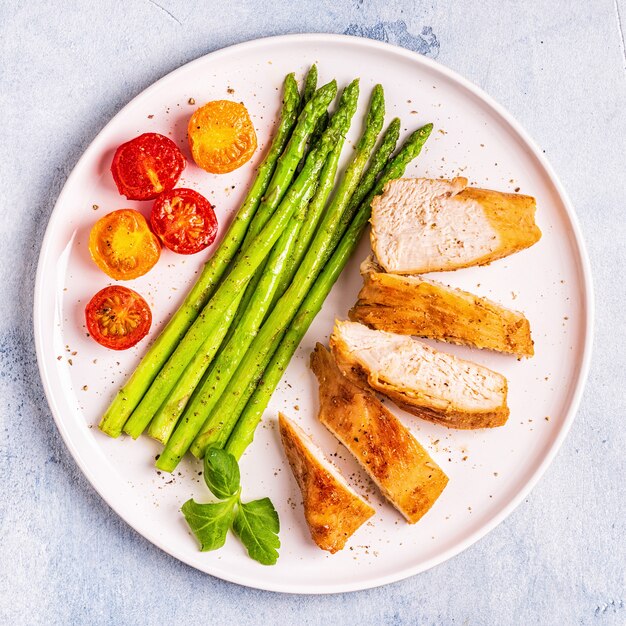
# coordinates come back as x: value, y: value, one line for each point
x: 559, y: 66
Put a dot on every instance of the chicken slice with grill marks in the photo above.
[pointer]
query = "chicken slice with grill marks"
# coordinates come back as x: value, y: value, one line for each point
x: 421, y: 380
x: 403, y: 470
x: 332, y: 509
x: 412, y: 305
x: 424, y: 225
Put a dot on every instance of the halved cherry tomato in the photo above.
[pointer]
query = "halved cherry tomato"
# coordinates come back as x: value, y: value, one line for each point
x: 221, y: 136
x: 118, y: 317
x: 146, y: 166
x: 184, y: 221
x: 123, y: 246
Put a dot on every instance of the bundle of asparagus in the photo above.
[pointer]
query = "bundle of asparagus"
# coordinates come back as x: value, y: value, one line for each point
x: 210, y: 374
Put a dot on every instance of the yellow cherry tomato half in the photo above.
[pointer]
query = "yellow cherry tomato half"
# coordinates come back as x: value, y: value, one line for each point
x: 221, y: 136
x: 123, y: 246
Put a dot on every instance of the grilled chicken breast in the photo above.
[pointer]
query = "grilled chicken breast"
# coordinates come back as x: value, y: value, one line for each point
x: 411, y: 305
x: 398, y: 464
x: 430, y: 384
x: 424, y: 225
x: 333, y: 511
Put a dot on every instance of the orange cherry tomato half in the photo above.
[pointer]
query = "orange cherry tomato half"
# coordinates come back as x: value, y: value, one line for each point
x: 118, y: 317
x: 123, y: 246
x: 184, y: 221
x: 221, y: 136
x: 146, y: 166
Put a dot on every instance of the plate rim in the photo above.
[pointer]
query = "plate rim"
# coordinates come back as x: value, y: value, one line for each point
x: 247, y: 579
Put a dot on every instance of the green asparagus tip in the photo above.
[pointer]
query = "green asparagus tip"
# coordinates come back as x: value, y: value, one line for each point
x: 310, y: 84
x: 290, y: 83
x: 350, y: 95
x: 377, y: 107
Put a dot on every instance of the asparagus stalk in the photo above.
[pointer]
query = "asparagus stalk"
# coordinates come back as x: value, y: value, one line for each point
x: 310, y: 82
x: 242, y: 271
x: 222, y: 419
x: 378, y: 161
x: 319, y: 128
x: 316, y: 211
x: 130, y: 394
x: 243, y: 433
x: 184, y: 395
x: 310, y: 85
x: 261, y: 393
x: 265, y: 209
x: 293, y: 155
x: 205, y: 399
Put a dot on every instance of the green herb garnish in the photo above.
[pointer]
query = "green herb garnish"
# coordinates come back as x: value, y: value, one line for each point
x: 255, y: 523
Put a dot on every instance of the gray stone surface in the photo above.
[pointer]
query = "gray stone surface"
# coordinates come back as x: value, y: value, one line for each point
x: 65, y: 68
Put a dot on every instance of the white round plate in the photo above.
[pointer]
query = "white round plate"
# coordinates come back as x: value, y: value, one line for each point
x: 490, y: 470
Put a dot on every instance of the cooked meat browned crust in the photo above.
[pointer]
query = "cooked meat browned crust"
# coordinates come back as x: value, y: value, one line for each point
x: 430, y: 384
x: 426, y: 225
x: 333, y: 511
x: 411, y: 305
x: 404, y: 471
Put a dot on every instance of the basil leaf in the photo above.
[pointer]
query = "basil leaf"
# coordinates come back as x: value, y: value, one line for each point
x: 257, y: 525
x: 221, y: 473
x: 209, y: 522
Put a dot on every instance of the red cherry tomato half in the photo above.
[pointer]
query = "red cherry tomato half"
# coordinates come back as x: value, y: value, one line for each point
x: 146, y: 166
x: 184, y: 221
x: 118, y: 317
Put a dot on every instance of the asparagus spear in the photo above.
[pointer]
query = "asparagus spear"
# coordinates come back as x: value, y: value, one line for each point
x: 266, y: 208
x: 243, y: 433
x: 205, y: 399
x: 222, y: 419
x: 310, y: 84
x: 319, y: 128
x: 316, y: 211
x: 363, y: 150
x: 130, y: 394
x: 261, y: 392
x: 243, y: 269
x: 292, y: 156
x: 377, y: 163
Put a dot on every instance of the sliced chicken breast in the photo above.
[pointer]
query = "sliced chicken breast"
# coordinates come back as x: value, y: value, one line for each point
x: 425, y: 225
x: 411, y: 305
x: 403, y: 470
x: 430, y: 384
x: 332, y: 509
